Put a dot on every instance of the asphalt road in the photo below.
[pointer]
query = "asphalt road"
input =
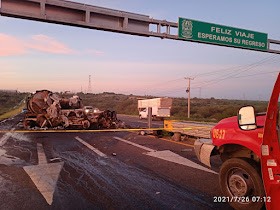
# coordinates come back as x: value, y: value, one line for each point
x: 135, y: 122
x: 102, y: 170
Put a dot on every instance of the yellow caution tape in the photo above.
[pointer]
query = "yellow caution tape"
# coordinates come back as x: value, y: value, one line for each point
x: 89, y: 131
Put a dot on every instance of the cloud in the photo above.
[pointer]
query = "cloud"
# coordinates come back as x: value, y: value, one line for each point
x: 13, y: 46
x: 48, y: 44
x: 95, y: 52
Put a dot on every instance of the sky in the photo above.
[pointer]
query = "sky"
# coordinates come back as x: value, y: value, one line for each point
x: 36, y: 55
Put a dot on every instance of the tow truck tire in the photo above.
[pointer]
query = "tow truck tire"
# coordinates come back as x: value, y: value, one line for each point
x: 240, y: 178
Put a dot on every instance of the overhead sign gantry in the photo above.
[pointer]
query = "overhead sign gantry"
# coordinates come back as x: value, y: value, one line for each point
x: 88, y: 16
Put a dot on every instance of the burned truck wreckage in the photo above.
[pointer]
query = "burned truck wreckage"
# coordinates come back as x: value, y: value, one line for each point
x: 48, y: 110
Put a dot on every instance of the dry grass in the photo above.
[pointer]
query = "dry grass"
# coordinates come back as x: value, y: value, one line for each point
x: 12, y: 112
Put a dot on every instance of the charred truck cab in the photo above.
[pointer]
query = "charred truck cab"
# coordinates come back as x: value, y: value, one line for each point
x: 248, y: 146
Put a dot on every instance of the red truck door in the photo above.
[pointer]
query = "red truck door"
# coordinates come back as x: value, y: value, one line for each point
x: 270, y: 157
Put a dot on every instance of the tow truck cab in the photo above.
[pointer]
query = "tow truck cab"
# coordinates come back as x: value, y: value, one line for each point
x: 248, y: 146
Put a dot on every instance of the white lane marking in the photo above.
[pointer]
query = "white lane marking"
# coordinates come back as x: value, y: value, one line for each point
x: 136, y: 145
x: 175, y: 158
x: 44, y: 175
x: 41, y: 155
x: 90, y: 147
x: 12, y: 117
x: 5, y: 137
x: 168, y: 156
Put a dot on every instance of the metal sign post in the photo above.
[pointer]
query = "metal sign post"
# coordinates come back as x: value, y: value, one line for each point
x: 149, y: 117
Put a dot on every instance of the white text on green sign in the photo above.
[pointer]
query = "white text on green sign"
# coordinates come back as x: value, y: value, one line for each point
x: 222, y: 35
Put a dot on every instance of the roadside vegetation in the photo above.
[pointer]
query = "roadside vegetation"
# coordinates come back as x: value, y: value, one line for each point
x: 208, y: 110
x: 211, y: 110
x: 11, y: 103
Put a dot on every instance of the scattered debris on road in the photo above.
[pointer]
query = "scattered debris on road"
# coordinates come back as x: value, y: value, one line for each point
x: 186, y: 150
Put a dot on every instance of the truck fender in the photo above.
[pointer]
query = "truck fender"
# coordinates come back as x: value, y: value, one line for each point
x: 203, y: 149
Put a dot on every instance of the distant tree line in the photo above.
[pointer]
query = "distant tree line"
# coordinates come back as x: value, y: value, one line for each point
x: 212, y: 110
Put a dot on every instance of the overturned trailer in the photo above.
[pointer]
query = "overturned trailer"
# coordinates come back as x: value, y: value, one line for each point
x: 48, y: 110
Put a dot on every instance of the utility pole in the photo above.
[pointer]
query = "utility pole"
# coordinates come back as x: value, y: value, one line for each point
x: 188, y: 90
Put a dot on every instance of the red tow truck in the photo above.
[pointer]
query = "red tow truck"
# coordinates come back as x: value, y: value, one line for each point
x: 248, y: 146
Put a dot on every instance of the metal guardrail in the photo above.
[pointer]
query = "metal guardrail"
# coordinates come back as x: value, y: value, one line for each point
x: 201, y: 130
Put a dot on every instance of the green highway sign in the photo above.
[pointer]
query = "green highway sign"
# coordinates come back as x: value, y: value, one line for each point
x: 222, y: 35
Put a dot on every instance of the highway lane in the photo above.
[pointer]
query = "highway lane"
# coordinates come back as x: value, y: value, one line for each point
x: 126, y: 177
x: 135, y: 122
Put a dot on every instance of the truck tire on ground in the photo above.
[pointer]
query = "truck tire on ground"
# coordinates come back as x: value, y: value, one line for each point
x: 27, y: 124
x: 240, y: 178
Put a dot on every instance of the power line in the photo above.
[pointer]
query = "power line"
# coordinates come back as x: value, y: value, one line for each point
x: 237, y: 77
x: 256, y: 74
x: 237, y: 68
x: 164, y: 83
x: 197, y: 87
x: 230, y: 73
x: 238, y: 71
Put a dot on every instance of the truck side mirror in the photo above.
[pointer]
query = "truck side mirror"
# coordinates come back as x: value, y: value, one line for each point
x: 247, y: 118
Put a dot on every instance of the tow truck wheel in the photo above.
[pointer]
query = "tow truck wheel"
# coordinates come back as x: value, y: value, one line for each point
x: 240, y: 180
